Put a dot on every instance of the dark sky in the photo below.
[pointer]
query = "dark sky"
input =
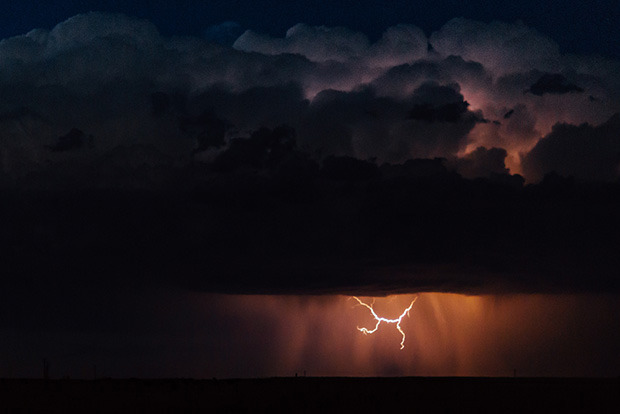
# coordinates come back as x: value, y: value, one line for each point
x: 577, y: 26
x: 204, y: 205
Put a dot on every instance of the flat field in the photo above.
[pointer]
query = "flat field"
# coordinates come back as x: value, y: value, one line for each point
x: 312, y: 394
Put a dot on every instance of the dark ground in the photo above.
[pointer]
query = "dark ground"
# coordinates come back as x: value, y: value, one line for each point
x: 412, y: 394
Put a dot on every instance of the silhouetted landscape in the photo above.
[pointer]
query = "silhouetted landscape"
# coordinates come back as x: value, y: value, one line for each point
x: 303, y: 394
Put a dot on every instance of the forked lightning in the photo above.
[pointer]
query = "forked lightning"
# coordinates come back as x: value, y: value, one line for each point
x: 379, y: 319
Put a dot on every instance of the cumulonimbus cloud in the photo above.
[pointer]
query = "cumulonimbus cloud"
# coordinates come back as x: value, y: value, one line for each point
x: 407, y: 95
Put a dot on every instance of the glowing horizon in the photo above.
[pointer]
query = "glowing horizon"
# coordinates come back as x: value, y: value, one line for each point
x: 250, y: 336
x: 453, y: 334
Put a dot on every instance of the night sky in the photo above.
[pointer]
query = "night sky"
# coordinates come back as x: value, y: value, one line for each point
x: 198, y: 190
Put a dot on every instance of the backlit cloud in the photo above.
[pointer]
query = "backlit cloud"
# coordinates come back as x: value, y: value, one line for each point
x: 99, y: 73
x: 316, y: 162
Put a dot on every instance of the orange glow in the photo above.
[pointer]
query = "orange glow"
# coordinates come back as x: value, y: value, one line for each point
x: 381, y: 319
x: 451, y: 334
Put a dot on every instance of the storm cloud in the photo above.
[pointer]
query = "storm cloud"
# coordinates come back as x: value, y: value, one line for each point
x: 317, y: 162
x: 119, y: 81
x: 589, y: 152
x: 553, y: 83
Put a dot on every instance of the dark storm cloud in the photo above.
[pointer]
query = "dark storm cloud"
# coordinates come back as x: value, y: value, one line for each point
x: 264, y: 167
x: 346, y: 227
x: 450, y: 106
x: 482, y: 162
x: 553, y: 83
x: 118, y: 79
x: 433, y: 121
x: 254, y: 107
x: 264, y: 149
x: 206, y: 128
x: 401, y: 80
x: 349, y: 169
x: 585, y: 151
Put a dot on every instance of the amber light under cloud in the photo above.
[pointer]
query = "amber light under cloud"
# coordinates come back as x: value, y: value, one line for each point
x: 446, y: 334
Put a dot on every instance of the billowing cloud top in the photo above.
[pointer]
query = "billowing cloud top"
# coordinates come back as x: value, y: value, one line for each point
x: 123, y: 85
x: 342, y: 147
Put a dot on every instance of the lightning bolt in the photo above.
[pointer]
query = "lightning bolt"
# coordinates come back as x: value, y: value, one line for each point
x: 380, y: 319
